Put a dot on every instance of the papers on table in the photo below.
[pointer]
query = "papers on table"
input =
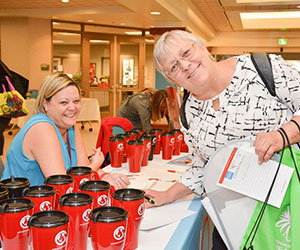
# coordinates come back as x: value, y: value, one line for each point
x: 160, y: 216
x: 241, y: 173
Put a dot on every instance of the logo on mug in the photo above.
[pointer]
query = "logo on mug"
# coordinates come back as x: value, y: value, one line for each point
x: 172, y: 141
x: 148, y: 145
x: 121, y: 146
x: 141, y: 209
x: 70, y: 190
x: 154, y: 140
x: 102, y: 200
x: 86, y: 215
x: 24, y: 222
x: 45, y: 206
x: 179, y: 138
x: 83, y: 180
x: 61, y: 238
x: 119, y: 233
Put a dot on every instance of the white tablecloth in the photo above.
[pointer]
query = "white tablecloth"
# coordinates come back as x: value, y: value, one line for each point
x: 89, y: 111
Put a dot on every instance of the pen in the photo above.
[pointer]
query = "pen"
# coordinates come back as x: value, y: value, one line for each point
x: 174, y: 171
x: 157, y: 179
x: 150, y: 200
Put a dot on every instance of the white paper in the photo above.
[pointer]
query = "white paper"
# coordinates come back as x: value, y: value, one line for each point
x: 160, y: 216
x: 241, y: 173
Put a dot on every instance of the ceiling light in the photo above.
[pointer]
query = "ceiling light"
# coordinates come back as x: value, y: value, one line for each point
x: 56, y: 23
x: 90, y: 21
x: 58, y: 41
x: 268, y: 15
x: 99, y: 41
x: 64, y: 1
x: 122, y: 23
x: 55, y: 17
x: 155, y: 13
x: 134, y: 33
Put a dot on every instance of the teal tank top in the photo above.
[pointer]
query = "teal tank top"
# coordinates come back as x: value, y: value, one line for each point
x: 18, y: 165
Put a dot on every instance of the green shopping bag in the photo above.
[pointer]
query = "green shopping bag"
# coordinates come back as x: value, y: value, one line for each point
x: 279, y: 228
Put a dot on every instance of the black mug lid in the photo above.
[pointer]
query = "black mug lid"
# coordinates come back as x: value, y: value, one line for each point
x: 156, y: 130
x: 147, y: 137
x: 79, y: 170
x: 3, y: 191
x: 16, y: 182
x: 132, y: 132
x: 39, y: 191
x: 124, y: 135
x: 135, y: 142
x: 15, y: 205
x: 108, y: 214
x: 75, y: 199
x: 95, y: 186
x: 167, y: 134
x: 59, y: 179
x: 48, y: 219
x: 116, y: 138
x: 128, y: 194
x: 137, y: 129
x: 175, y: 131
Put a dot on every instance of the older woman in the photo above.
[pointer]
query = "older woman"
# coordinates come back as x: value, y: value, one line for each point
x: 50, y: 142
x: 227, y: 101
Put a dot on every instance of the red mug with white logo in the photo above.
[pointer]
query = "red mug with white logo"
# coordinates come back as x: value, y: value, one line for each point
x: 135, y: 152
x: 158, y: 133
x: 50, y: 230
x: 108, y: 226
x: 132, y: 200
x: 80, y: 175
x: 116, y: 150
x: 147, y: 149
x: 167, y: 145
x: 178, y: 135
x: 99, y: 190
x: 43, y: 197
x: 78, y: 206
x: 63, y: 184
x: 14, y: 216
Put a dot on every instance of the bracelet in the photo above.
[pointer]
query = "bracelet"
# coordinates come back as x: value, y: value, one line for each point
x: 102, y: 175
x: 296, y: 123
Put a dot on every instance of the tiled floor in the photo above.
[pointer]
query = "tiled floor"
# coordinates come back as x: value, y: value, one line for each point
x: 89, y: 138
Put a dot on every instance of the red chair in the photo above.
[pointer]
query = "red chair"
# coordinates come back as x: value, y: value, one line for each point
x: 111, y: 126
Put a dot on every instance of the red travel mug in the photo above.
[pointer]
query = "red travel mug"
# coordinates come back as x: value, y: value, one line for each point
x: 80, y: 174
x: 42, y: 196
x: 50, y: 230
x: 133, y: 134
x: 158, y: 133
x: 99, y: 190
x: 15, y: 186
x: 178, y: 135
x: 108, y: 227
x: 147, y: 149
x: 63, y: 184
x: 126, y: 139
x: 116, y: 150
x: 14, y: 216
x: 78, y: 206
x: 167, y: 145
x: 132, y: 200
x: 135, y: 151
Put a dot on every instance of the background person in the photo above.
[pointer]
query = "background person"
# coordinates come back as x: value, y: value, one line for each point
x: 50, y: 142
x: 143, y: 107
x: 228, y: 101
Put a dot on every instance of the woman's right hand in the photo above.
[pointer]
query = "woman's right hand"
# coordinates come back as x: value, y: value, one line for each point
x: 159, y: 197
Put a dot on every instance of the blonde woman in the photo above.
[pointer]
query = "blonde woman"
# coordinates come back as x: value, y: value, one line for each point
x: 50, y: 142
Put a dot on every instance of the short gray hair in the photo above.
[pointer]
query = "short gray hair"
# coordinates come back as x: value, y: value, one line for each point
x: 162, y: 47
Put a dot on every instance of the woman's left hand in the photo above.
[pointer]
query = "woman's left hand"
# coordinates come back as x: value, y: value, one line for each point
x: 266, y: 144
x: 96, y: 158
x: 117, y: 180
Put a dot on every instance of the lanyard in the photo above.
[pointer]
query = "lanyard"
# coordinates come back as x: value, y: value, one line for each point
x: 69, y: 148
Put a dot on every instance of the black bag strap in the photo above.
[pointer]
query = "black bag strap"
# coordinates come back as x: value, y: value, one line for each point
x: 4, y: 70
x: 182, y: 109
x: 263, y: 66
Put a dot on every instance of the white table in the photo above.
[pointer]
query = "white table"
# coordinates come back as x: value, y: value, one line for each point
x: 182, y: 234
x: 89, y: 111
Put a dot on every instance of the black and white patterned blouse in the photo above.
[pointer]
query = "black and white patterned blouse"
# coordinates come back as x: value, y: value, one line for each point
x: 246, y: 108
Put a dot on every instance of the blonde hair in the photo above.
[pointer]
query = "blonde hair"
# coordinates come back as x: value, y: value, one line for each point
x: 158, y: 99
x: 162, y: 47
x: 51, y: 85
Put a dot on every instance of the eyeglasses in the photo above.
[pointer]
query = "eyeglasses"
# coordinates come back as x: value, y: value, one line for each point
x: 185, y: 54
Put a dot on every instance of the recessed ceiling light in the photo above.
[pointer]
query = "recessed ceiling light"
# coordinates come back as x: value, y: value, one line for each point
x: 64, y: 1
x: 122, y: 23
x: 155, y: 13
x: 90, y: 21
x: 268, y: 15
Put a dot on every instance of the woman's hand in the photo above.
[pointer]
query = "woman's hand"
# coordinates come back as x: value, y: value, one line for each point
x: 117, y: 180
x: 159, y: 197
x: 96, y: 158
x: 266, y: 144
